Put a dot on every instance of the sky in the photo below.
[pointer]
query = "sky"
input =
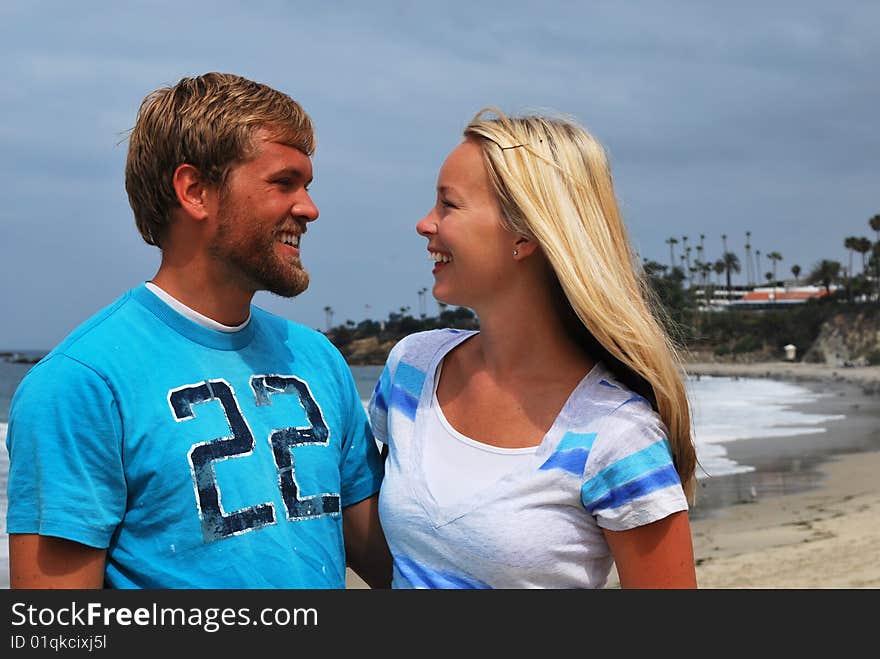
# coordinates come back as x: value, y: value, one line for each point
x: 719, y: 118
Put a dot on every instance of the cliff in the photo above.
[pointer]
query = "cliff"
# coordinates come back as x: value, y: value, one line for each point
x: 848, y: 339
x: 369, y: 351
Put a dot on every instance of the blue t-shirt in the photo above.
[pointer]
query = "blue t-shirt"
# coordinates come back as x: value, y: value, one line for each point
x: 197, y: 458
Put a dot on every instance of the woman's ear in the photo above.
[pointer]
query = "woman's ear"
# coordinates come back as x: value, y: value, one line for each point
x: 192, y: 191
x: 524, y: 247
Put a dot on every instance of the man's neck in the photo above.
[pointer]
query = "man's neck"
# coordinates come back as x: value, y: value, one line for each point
x: 222, y: 302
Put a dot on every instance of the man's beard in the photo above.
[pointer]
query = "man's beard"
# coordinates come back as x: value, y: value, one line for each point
x: 253, y: 256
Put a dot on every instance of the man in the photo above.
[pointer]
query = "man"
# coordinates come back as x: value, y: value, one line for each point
x: 182, y: 438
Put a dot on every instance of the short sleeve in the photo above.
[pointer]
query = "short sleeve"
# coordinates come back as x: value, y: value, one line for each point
x: 378, y: 405
x: 629, y: 478
x: 362, y: 468
x: 65, y: 452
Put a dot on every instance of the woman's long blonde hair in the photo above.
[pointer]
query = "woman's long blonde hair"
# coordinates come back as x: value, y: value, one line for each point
x: 554, y: 185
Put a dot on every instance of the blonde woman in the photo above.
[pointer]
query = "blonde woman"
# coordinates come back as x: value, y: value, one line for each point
x: 555, y: 441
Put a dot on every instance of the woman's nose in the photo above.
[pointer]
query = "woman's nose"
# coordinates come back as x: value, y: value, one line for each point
x: 427, y: 225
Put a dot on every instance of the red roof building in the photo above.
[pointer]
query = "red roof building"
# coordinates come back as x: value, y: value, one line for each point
x: 768, y: 295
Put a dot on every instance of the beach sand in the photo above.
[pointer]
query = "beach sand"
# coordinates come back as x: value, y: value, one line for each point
x: 866, y: 378
x: 825, y: 538
x: 818, y: 525
x: 808, y: 517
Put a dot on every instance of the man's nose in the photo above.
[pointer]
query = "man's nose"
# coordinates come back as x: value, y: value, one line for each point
x: 305, y: 209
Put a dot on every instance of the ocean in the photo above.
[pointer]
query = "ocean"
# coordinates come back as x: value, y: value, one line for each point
x: 725, y: 411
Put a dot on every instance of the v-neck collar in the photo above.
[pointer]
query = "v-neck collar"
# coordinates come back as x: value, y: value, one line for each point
x: 440, y: 515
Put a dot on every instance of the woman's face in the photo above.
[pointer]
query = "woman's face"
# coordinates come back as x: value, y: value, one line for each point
x: 471, y: 250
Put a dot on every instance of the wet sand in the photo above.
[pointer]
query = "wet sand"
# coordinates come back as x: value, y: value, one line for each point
x: 809, y: 516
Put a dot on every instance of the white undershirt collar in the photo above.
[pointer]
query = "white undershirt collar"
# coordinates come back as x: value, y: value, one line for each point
x: 192, y: 314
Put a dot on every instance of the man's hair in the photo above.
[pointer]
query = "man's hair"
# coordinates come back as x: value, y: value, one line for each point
x: 553, y: 183
x: 209, y: 122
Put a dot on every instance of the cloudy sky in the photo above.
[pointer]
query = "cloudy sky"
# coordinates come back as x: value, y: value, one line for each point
x: 719, y: 118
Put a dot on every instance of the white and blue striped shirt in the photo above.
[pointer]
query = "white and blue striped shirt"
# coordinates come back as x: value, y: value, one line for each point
x: 605, y: 463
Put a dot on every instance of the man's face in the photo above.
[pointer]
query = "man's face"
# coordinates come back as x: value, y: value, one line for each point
x: 262, y: 215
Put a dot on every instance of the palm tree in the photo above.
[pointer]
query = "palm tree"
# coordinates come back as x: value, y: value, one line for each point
x: 862, y: 245
x: 705, y: 270
x: 757, y: 266
x: 718, y: 267
x: 748, y: 258
x: 328, y: 313
x: 850, y: 244
x: 825, y: 272
x: 774, y: 256
x: 875, y: 257
x: 699, y: 261
x: 724, y: 243
x: 653, y: 269
x: 696, y: 268
x: 671, y: 242
x: 796, y: 271
x: 731, y: 264
x: 874, y: 223
x: 421, y: 293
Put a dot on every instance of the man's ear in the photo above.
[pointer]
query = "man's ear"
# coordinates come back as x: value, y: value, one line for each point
x: 192, y: 191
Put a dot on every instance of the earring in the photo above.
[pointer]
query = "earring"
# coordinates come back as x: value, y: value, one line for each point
x: 515, y: 252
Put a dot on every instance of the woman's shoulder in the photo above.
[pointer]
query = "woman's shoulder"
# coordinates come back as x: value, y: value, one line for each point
x: 420, y: 348
x: 622, y: 425
x: 603, y: 398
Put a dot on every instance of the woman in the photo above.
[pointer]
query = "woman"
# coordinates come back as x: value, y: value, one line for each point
x: 556, y: 440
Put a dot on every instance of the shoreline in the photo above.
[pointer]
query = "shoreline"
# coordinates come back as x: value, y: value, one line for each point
x: 806, y: 518
x: 865, y: 377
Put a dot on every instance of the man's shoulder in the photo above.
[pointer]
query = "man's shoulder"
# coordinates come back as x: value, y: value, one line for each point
x: 279, y: 331
x: 79, y: 356
x: 92, y: 334
x: 278, y: 324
